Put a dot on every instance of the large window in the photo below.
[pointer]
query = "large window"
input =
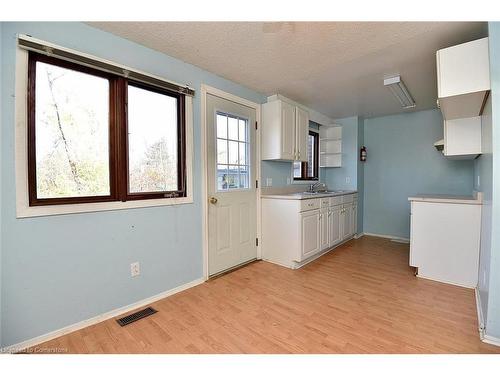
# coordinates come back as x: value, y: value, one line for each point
x: 308, y: 170
x: 94, y: 136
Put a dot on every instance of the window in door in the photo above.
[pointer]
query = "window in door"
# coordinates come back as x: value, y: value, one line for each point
x: 308, y: 170
x: 232, y: 149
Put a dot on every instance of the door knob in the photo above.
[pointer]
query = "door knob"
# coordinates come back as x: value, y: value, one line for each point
x: 213, y: 200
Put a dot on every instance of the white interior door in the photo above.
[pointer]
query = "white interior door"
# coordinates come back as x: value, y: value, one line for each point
x: 232, y: 217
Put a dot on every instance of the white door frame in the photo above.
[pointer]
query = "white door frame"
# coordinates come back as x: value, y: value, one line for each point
x: 205, y: 90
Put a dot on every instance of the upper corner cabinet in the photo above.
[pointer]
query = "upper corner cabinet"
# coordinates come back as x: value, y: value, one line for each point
x: 285, y: 128
x: 463, y: 79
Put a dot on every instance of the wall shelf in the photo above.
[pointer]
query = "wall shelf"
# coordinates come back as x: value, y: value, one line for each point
x: 330, y: 146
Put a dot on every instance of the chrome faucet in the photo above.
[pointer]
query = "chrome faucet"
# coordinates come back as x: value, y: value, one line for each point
x: 312, y: 186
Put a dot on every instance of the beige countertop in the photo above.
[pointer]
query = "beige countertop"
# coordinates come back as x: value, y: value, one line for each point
x: 445, y: 198
x: 302, y: 195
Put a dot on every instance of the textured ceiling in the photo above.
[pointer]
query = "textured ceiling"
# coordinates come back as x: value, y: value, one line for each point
x: 336, y: 68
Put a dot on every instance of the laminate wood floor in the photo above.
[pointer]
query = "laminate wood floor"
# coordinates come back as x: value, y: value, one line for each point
x: 360, y: 298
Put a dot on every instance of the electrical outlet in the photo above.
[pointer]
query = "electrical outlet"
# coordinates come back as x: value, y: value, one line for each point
x: 269, y: 181
x: 135, y: 269
x: 348, y: 180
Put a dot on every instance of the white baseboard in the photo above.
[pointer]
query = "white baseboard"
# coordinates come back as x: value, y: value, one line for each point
x: 393, y: 238
x: 491, y: 340
x: 479, y: 309
x: 480, y: 321
x: 358, y: 235
x: 444, y: 281
x: 97, y: 319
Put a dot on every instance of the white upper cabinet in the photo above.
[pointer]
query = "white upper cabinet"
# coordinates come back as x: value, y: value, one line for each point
x: 285, y: 129
x: 462, y: 138
x: 463, y: 78
x: 302, y: 129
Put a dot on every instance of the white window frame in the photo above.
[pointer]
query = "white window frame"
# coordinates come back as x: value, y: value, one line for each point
x: 23, y: 209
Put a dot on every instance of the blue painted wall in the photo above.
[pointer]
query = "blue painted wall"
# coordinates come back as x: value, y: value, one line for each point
x: 1, y: 111
x: 279, y: 171
x: 361, y: 174
x: 483, y: 181
x: 402, y: 162
x: 63, y: 269
x: 493, y: 296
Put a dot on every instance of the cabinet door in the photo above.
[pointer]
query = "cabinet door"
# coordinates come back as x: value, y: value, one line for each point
x: 302, y: 133
x: 310, y: 233
x: 463, y: 69
x: 462, y: 136
x: 324, y: 235
x: 354, y: 220
x: 346, y: 221
x: 334, y: 226
x: 288, y: 131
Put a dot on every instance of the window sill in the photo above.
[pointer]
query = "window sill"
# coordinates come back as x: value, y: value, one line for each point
x: 67, y: 209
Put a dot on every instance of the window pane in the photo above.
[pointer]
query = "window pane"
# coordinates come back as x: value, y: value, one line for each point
x: 221, y: 151
x: 221, y: 177
x: 243, y: 152
x: 221, y: 126
x: 233, y: 128
x: 72, y: 133
x: 310, y: 156
x: 233, y: 152
x: 242, y: 130
x: 152, y: 138
x: 233, y: 181
x: 244, y: 178
x: 297, y: 172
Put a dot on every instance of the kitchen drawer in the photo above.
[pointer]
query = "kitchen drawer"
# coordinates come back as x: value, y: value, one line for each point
x: 335, y: 201
x: 325, y: 202
x: 309, y: 204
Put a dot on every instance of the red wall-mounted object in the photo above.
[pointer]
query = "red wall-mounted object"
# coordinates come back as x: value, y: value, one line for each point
x: 362, y: 154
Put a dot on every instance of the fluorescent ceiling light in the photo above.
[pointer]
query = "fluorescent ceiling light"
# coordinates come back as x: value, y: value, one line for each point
x: 399, y: 90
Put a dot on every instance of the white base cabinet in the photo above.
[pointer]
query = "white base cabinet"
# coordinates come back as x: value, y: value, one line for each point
x: 310, y: 230
x: 295, y: 231
x: 444, y: 241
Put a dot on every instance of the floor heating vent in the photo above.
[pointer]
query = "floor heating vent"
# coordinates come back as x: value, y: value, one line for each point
x: 136, y: 316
